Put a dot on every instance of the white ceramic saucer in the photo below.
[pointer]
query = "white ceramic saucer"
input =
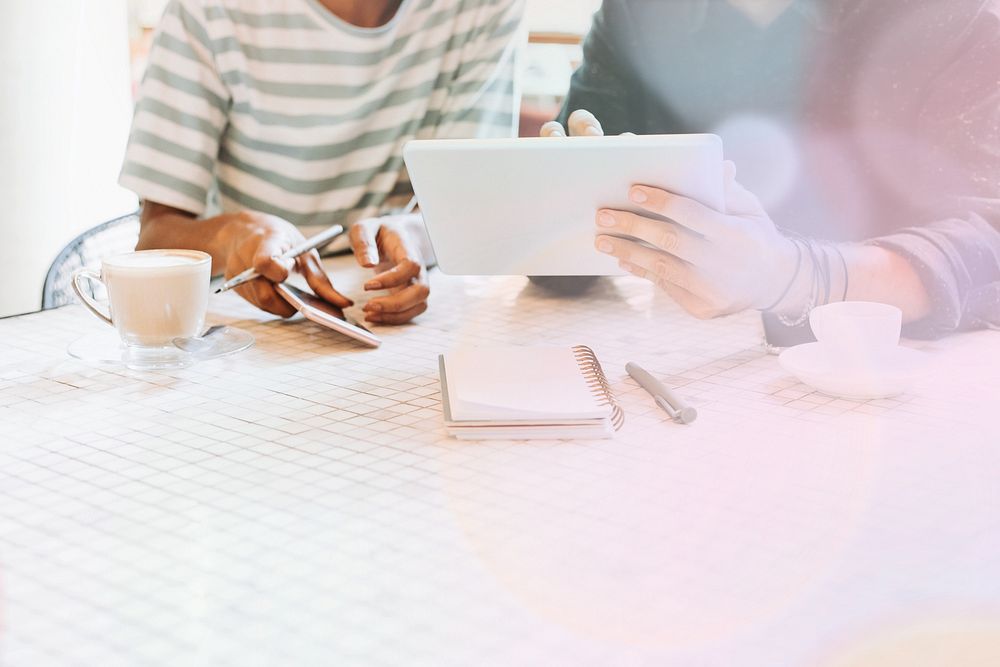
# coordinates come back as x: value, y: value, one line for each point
x: 105, y: 349
x: 884, y: 375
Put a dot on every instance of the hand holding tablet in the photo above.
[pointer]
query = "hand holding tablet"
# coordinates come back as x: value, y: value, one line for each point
x: 712, y: 260
x: 667, y: 208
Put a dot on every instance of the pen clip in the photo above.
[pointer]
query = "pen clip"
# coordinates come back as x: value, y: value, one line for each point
x: 662, y: 402
x: 685, y: 415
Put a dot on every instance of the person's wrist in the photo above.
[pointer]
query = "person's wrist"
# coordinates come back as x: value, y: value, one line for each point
x: 232, y: 229
x: 421, y: 240
x: 786, y: 265
x: 801, y: 291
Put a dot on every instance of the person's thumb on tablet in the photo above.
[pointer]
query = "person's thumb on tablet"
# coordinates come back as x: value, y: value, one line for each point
x: 582, y: 123
x: 552, y: 129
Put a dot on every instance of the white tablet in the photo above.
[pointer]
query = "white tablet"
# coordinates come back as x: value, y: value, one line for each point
x: 528, y: 206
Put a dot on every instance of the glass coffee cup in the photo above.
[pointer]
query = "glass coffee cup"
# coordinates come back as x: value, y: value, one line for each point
x: 154, y: 297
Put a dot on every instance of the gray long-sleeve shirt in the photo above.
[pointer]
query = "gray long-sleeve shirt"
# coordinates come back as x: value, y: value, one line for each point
x: 852, y: 120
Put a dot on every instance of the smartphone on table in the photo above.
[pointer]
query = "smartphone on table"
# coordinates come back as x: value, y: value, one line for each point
x: 326, y: 314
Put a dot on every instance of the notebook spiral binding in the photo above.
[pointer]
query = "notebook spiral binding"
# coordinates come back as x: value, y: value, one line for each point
x: 598, y: 383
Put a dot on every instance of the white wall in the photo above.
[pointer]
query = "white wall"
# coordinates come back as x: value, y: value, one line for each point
x: 65, y: 110
x: 146, y: 13
x: 549, y: 67
x: 570, y: 16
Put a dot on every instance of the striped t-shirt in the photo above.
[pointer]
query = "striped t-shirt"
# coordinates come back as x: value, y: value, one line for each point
x: 280, y: 106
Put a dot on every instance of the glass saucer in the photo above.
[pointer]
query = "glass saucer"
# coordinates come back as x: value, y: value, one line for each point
x: 105, y: 348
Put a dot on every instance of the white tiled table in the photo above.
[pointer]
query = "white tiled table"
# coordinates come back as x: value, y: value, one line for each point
x: 299, y: 504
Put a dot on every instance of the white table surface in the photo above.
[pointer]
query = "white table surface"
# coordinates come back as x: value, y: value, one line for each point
x: 299, y: 504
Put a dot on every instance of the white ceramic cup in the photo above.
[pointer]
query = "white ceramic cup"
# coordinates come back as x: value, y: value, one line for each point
x: 154, y: 296
x: 857, y: 330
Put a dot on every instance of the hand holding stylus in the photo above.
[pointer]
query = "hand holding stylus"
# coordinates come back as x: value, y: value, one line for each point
x: 294, y: 253
x: 259, y: 243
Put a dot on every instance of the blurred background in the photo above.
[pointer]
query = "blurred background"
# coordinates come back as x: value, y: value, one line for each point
x: 71, y: 69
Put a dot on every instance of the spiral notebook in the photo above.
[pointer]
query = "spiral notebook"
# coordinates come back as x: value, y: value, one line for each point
x: 527, y: 393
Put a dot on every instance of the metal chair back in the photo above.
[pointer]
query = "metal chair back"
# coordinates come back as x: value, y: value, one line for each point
x: 86, y: 250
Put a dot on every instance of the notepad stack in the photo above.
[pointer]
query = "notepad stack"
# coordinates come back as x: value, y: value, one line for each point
x: 527, y: 393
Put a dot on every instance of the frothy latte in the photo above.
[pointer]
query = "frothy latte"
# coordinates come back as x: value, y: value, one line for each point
x: 158, y: 295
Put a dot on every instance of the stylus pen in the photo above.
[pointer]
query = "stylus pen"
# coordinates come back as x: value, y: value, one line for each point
x: 308, y: 245
x: 679, y: 411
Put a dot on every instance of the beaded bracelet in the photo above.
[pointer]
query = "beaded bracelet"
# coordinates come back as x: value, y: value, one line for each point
x: 821, y: 288
x: 847, y: 275
x: 813, y: 293
x: 826, y: 274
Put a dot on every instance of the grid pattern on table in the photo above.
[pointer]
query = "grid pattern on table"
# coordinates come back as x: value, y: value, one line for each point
x: 300, y: 503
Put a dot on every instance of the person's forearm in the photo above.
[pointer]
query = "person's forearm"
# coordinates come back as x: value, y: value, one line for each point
x: 165, y: 227
x: 873, y: 274
x: 880, y: 275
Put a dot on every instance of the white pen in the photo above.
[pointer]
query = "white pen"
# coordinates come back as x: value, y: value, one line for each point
x: 308, y: 245
x: 666, y: 399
